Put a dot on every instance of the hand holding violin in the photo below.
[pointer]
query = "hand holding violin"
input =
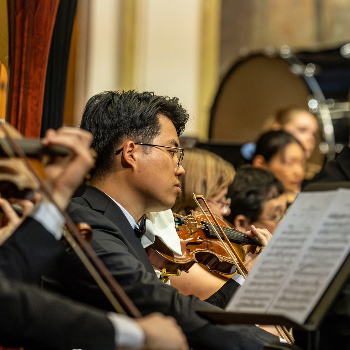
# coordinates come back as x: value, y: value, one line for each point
x: 262, y: 234
x: 63, y: 178
x: 13, y: 219
x: 264, y: 237
x: 62, y: 175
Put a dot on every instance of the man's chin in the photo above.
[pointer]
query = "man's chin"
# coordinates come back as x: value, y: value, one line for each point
x: 162, y: 206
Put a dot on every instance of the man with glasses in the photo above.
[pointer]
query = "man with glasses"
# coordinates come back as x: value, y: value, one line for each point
x: 137, y: 171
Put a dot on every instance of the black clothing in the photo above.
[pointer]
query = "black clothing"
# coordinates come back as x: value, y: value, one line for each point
x: 116, y: 244
x: 34, y: 318
x: 28, y: 251
x: 335, y: 328
x: 334, y: 331
x: 335, y: 170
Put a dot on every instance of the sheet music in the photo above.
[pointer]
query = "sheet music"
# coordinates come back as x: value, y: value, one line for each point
x: 302, y: 258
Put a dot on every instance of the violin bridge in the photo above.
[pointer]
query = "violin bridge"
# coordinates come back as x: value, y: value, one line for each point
x: 191, y: 224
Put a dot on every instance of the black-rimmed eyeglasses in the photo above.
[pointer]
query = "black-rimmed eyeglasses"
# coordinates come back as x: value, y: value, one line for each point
x: 173, y: 151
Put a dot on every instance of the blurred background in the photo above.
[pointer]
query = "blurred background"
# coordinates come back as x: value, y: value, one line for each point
x: 231, y: 63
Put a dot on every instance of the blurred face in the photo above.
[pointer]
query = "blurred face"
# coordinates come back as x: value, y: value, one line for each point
x: 303, y: 126
x: 288, y: 165
x: 219, y: 204
x: 272, y: 213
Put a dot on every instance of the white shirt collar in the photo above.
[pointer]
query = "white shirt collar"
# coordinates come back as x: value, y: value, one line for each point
x: 159, y: 224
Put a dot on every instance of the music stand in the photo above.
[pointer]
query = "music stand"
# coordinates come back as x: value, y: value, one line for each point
x: 313, y: 322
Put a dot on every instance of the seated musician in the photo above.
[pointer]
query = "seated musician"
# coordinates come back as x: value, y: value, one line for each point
x: 137, y: 172
x: 210, y: 175
x: 297, y: 121
x: 282, y: 154
x: 257, y: 198
x: 34, y: 318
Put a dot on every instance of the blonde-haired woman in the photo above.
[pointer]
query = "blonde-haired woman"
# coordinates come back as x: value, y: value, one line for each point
x: 209, y: 175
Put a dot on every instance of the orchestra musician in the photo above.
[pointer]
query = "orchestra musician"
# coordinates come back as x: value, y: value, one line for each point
x: 137, y: 172
x: 35, y: 318
x: 210, y: 175
x: 300, y: 123
x: 297, y: 121
x: 282, y: 154
x: 257, y: 198
x: 207, y: 174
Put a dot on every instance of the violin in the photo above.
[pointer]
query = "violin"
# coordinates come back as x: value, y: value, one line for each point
x: 199, y: 244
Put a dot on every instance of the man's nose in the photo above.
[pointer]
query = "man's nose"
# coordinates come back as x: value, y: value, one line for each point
x: 179, y: 170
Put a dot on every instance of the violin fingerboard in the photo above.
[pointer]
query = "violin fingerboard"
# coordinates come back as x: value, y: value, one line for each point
x: 232, y: 234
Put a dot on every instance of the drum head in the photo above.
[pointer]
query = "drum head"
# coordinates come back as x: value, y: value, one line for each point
x: 252, y: 91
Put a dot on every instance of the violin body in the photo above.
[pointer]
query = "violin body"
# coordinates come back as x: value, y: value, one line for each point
x: 207, y: 250
x: 162, y: 257
x: 199, y: 244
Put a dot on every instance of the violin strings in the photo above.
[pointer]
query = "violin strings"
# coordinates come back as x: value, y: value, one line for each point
x: 237, y: 261
x: 282, y: 330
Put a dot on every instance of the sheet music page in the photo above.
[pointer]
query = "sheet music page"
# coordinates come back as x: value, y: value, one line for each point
x: 302, y: 258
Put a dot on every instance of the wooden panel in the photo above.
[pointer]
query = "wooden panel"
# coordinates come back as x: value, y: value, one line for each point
x: 3, y: 33
x: 3, y: 90
x: 31, y: 24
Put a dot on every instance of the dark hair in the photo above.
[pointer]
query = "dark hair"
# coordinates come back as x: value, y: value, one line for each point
x: 250, y: 189
x: 270, y: 143
x: 113, y: 116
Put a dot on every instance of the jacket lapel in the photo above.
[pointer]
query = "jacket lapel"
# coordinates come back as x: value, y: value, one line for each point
x: 100, y: 202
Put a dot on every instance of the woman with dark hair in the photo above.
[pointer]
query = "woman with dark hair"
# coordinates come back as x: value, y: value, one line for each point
x: 282, y: 154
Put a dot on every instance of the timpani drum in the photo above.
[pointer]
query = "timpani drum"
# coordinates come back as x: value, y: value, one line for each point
x: 259, y: 84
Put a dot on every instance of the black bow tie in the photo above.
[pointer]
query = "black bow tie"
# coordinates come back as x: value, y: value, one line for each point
x: 141, y: 230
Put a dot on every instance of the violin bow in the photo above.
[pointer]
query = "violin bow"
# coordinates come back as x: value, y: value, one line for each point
x: 282, y: 330
x: 230, y: 251
x: 83, y: 250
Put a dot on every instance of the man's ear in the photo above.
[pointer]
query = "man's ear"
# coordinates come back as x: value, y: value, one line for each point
x: 259, y: 162
x: 241, y: 223
x: 129, y: 154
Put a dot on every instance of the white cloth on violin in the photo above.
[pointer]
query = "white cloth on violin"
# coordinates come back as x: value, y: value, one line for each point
x: 162, y: 225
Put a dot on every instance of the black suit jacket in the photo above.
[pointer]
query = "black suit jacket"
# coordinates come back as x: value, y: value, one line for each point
x: 28, y: 252
x: 34, y: 318
x: 116, y: 244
